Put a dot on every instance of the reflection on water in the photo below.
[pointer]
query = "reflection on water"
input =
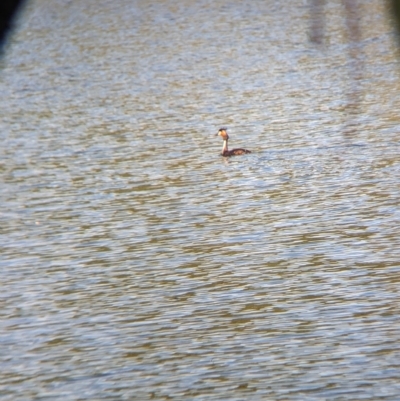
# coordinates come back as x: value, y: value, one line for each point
x: 137, y: 263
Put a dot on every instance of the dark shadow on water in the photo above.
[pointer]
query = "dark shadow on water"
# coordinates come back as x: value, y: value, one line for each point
x: 355, y: 64
x: 8, y: 11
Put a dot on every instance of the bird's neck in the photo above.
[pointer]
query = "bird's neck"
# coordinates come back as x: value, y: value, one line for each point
x: 225, y: 146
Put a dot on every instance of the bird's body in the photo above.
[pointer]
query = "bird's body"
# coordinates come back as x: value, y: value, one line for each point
x: 225, y: 151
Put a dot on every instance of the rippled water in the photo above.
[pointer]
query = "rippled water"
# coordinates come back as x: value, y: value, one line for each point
x: 136, y: 263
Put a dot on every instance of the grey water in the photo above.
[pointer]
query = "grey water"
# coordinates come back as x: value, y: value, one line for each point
x: 137, y: 263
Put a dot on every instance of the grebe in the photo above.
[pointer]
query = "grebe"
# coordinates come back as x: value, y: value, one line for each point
x: 225, y: 152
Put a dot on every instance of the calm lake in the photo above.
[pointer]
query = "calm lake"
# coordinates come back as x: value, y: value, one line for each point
x: 137, y: 263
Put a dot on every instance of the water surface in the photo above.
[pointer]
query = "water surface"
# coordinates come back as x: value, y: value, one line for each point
x: 136, y: 263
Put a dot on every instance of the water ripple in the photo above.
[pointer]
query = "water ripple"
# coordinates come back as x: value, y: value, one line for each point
x: 139, y: 264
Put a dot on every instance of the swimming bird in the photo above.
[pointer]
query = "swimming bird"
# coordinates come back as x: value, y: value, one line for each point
x: 225, y: 152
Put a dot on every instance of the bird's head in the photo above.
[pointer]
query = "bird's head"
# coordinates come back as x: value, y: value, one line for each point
x: 223, y: 134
